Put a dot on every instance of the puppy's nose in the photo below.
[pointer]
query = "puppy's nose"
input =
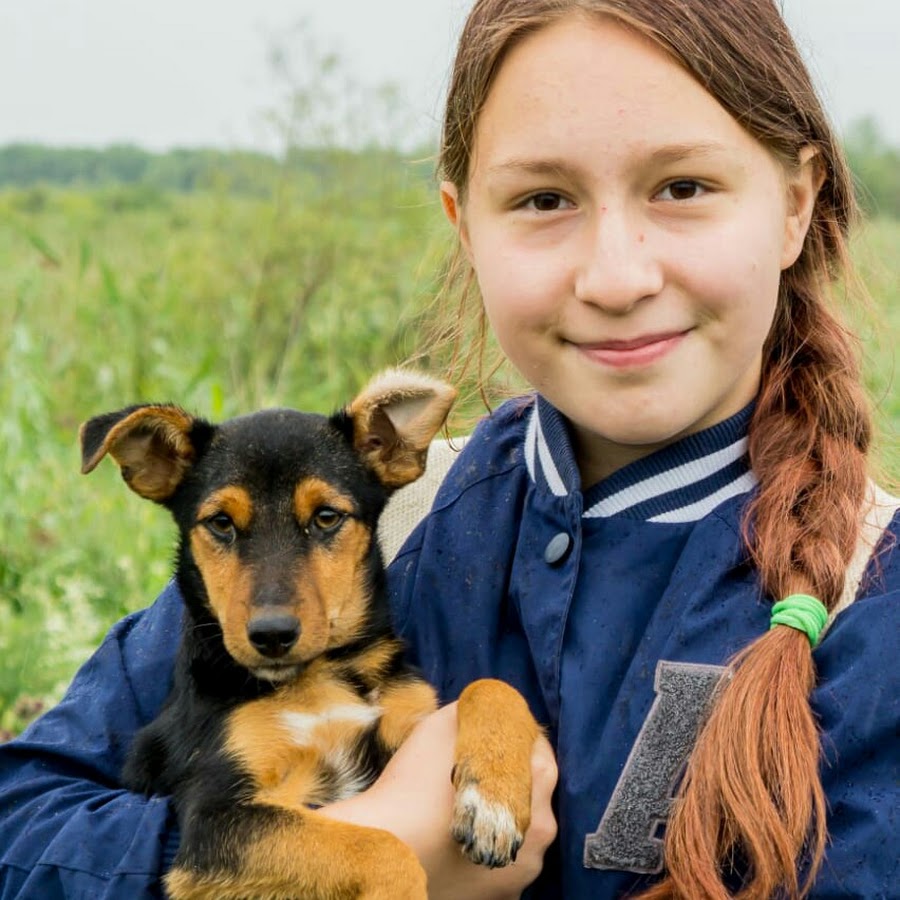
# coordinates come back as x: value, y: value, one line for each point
x: 274, y: 634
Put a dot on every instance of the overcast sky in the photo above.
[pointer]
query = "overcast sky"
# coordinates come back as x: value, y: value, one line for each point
x: 163, y: 73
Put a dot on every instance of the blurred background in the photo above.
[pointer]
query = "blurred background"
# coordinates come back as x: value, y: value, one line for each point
x: 230, y: 205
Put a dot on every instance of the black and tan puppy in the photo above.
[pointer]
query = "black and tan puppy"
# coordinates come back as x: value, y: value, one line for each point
x: 290, y: 688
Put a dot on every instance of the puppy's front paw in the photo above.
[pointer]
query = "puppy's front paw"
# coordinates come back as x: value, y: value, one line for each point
x: 492, y: 774
x: 485, y: 829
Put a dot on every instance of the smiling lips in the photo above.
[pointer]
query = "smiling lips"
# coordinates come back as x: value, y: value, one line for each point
x: 637, y: 352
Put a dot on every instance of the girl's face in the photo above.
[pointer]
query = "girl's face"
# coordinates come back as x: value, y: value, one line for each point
x: 628, y: 238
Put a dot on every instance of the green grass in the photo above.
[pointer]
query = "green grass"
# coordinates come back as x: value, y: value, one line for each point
x: 223, y: 304
x: 876, y: 252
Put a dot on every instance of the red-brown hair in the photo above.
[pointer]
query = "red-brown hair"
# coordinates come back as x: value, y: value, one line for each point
x: 752, y: 789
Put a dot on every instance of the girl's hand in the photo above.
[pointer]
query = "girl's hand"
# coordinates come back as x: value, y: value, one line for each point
x: 413, y: 799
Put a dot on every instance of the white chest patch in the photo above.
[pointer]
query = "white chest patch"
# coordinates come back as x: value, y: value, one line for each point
x: 310, y: 729
x: 330, y: 733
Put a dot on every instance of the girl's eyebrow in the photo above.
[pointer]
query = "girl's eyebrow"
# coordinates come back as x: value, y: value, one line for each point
x: 666, y: 154
x: 673, y: 153
x: 530, y: 167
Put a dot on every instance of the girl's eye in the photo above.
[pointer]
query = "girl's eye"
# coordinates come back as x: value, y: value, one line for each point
x: 547, y: 201
x: 683, y: 189
x: 327, y: 519
x: 221, y: 527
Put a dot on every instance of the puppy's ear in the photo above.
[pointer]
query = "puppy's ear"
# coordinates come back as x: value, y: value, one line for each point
x: 394, y: 419
x: 153, y: 445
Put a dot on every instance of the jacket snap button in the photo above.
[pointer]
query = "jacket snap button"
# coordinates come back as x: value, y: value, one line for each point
x: 557, y: 549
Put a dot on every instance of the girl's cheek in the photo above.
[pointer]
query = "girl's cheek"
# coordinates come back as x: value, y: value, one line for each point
x: 511, y: 278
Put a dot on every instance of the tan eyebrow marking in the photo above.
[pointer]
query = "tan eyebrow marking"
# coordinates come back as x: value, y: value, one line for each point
x: 311, y: 493
x: 232, y: 500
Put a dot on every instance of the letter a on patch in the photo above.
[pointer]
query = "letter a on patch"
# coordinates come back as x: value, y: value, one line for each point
x: 626, y: 837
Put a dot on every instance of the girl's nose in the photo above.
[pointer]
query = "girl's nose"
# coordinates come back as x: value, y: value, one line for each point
x: 618, y: 267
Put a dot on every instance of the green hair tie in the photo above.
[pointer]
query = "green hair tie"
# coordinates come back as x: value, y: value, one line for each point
x: 803, y: 612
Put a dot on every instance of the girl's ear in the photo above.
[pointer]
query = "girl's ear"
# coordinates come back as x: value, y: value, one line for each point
x: 803, y: 187
x: 453, y: 212
x: 450, y: 202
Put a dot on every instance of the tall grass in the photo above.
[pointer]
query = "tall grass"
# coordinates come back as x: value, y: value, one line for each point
x: 876, y: 252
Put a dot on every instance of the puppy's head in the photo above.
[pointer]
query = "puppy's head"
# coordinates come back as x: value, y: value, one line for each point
x: 278, y: 510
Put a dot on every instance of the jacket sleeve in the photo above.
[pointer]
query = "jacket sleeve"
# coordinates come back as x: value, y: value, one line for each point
x: 858, y: 707
x: 67, y: 827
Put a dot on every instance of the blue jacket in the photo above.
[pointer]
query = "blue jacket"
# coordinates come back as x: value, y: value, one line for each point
x: 613, y: 610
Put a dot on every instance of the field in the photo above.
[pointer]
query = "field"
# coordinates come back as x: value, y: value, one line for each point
x: 222, y: 302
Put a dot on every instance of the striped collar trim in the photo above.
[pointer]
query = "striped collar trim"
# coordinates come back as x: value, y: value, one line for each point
x: 680, y: 483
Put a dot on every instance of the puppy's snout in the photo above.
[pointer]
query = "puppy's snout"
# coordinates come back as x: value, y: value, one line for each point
x: 273, y: 634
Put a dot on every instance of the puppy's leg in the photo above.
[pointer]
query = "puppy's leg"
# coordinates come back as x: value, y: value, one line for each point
x: 404, y: 702
x: 492, y: 772
x: 271, y: 853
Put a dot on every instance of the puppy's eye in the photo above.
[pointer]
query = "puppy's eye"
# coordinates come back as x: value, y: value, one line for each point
x: 221, y: 527
x: 327, y: 519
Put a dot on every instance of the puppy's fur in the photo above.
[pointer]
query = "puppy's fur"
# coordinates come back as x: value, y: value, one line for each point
x: 290, y: 688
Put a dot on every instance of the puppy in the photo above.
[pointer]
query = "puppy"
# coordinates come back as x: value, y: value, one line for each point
x: 290, y: 689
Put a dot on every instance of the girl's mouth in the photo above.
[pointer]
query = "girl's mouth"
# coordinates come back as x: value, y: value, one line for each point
x: 640, y: 351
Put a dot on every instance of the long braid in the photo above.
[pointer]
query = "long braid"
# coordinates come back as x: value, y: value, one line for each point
x: 752, y: 790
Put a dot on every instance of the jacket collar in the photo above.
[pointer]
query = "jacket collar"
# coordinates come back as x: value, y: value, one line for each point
x: 682, y: 482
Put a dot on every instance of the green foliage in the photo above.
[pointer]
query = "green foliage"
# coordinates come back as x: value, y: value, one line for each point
x: 876, y: 169
x: 27, y: 166
x: 876, y: 251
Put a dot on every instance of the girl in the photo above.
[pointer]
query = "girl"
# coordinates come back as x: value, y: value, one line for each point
x: 651, y: 205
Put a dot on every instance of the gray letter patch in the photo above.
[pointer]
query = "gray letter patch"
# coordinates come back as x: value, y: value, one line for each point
x: 626, y: 837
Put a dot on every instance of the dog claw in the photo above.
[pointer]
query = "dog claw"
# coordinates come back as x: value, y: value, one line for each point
x: 486, y: 830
